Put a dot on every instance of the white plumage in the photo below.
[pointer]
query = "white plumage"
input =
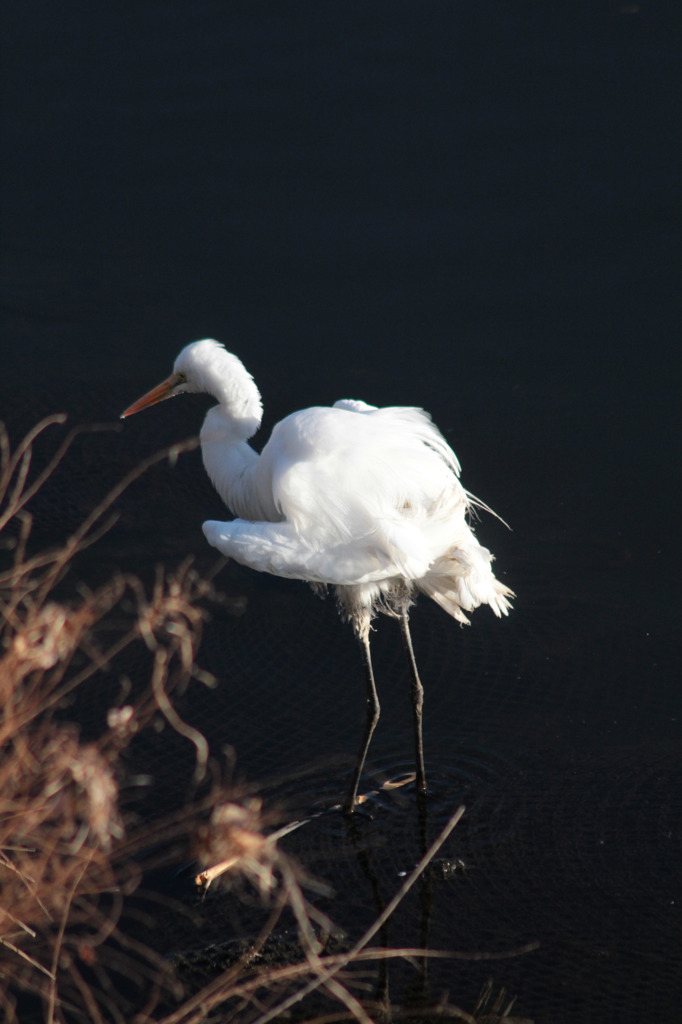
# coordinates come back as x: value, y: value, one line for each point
x: 365, y: 499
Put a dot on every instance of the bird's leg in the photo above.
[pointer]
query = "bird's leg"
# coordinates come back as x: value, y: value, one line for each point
x: 373, y: 710
x: 417, y: 694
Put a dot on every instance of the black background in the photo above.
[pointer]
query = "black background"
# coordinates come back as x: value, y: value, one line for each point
x: 472, y: 207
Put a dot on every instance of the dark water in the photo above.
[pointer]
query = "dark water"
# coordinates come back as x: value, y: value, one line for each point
x: 471, y: 207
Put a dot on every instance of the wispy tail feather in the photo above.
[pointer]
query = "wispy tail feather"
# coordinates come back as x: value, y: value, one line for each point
x: 456, y: 597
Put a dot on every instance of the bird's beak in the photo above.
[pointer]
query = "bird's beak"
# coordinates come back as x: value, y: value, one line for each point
x: 162, y: 391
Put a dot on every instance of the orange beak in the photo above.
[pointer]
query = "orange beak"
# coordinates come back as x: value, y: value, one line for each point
x: 162, y: 391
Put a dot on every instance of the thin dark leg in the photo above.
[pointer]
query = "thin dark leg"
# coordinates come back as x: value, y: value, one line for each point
x: 373, y: 710
x: 417, y: 694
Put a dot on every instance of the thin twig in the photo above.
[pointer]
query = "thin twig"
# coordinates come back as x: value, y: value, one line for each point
x: 60, y: 938
x: 33, y: 962
x: 371, y: 932
x: 173, y: 718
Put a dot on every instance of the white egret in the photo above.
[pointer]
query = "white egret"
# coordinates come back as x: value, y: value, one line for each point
x: 364, y: 499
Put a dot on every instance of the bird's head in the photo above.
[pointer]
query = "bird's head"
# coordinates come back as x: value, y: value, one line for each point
x: 191, y: 373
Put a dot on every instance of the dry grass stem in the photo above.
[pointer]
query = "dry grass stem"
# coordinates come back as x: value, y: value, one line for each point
x: 61, y: 829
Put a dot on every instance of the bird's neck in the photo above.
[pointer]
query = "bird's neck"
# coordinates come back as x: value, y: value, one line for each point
x: 231, y: 463
x: 239, y: 398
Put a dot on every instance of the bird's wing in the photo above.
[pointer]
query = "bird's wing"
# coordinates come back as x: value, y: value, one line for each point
x: 331, y: 466
x: 277, y: 548
x: 359, y: 489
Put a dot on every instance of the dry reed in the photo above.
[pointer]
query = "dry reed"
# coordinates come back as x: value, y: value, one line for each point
x: 68, y: 857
